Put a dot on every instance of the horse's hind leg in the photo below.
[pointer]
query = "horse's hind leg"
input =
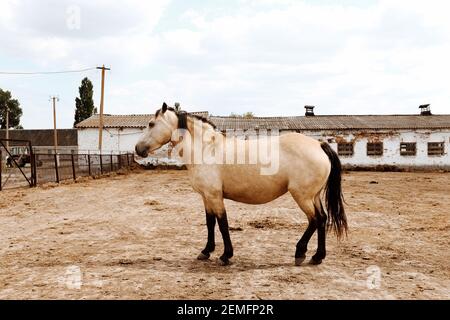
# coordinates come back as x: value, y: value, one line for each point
x: 321, y: 221
x: 307, y: 206
x: 228, y: 248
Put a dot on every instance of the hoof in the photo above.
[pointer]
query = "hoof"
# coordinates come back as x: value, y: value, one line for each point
x: 224, y: 262
x: 315, y: 262
x: 203, y: 256
x: 299, y: 260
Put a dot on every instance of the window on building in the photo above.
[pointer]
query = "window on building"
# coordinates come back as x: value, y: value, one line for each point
x: 435, y: 148
x: 345, y: 149
x: 408, y: 148
x: 375, y: 148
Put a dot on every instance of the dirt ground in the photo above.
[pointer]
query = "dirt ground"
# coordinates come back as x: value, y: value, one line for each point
x: 137, y: 236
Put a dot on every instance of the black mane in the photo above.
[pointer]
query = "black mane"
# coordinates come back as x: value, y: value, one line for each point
x: 182, y: 118
x: 203, y: 119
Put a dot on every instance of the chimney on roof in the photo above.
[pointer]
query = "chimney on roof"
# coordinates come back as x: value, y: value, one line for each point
x: 425, y: 110
x: 309, y: 111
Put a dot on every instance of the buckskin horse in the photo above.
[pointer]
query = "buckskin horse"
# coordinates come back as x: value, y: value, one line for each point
x: 307, y: 169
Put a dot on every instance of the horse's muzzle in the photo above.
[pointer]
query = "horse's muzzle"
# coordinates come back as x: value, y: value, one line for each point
x: 141, y: 151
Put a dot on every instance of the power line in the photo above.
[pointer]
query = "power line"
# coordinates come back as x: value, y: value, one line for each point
x: 47, y: 72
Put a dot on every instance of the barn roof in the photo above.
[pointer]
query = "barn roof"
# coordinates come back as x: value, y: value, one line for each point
x: 43, y: 137
x: 320, y: 122
x: 123, y: 121
x: 336, y: 122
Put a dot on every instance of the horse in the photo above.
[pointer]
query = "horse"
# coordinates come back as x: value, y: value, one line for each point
x: 307, y: 169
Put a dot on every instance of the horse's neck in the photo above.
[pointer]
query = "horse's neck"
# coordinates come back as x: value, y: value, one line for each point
x: 202, y: 135
x: 201, y: 132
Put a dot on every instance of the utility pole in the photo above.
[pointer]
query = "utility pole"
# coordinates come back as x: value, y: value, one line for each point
x: 7, y: 128
x: 55, y: 133
x: 100, y: 124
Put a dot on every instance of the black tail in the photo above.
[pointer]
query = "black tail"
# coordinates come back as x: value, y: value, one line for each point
x: 333, y: 194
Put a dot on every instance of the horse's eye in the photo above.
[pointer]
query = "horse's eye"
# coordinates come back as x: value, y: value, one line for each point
x: 151, y: 124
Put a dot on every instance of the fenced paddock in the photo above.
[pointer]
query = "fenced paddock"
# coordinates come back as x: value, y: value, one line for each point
x: 49, y: 167
x: 138, y: 235
x: 59, y: 167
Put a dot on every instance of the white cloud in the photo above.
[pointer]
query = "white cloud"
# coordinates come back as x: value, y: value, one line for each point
x: 269, y: 58
x: 385, y: 58
x: 108, y: 30
x: 97, y: 18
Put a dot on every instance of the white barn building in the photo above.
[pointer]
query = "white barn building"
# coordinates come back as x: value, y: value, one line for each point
x: 363, y: 141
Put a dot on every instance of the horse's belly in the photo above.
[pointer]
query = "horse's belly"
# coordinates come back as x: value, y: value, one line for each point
x: 254, y: 189
x: 252, y: 198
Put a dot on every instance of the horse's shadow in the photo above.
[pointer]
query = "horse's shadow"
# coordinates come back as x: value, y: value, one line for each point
x: 192, y: 265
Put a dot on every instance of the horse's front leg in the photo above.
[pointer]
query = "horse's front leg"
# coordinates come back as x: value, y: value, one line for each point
x: 210, y: 245
x: 215, y: 209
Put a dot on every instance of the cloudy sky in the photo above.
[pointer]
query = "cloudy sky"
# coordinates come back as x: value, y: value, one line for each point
x: 271, y: 57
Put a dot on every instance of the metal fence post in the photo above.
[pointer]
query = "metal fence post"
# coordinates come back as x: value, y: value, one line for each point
x: 89, y: 164
x: 1, y: 164
x: 56, y: 168
x: 112, y: 165
x: 119, y: 159
x: 73, y: 168
x: 33, y: 165
x: 128, y: 161
x: 101, y: 164
x: 35, y: 169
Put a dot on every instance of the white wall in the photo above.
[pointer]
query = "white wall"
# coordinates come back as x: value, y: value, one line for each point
x: 391, y: 144
x: 114, y: 139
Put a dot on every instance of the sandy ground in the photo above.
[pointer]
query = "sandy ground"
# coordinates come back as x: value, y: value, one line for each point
x: 137, y: 236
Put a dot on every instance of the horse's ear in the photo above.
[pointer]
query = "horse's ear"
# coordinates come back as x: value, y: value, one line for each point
x: 164, y: 107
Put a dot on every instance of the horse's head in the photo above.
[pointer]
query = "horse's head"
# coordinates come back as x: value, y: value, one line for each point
x: 158, y: 132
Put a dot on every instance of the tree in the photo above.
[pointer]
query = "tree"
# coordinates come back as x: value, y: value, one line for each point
x: 246, y: 115
x: 84, y: 105
x: 15, y: 112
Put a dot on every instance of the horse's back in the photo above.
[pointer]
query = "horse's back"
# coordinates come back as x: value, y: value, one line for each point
x: 304, y: 159
x: 299, y: 146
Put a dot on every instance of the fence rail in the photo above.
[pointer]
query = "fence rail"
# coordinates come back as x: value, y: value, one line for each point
x: 45, y: 168
x: 59, y: 167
